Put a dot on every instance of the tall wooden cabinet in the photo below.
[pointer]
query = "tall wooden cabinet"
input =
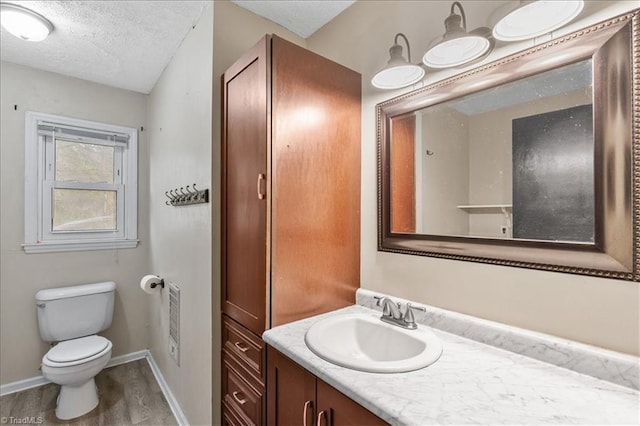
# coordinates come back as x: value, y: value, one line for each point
x: 290, y: 205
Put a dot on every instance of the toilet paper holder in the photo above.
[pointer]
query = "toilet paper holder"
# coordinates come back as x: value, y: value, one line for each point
x: 151, y: 284
x: 160, y: 284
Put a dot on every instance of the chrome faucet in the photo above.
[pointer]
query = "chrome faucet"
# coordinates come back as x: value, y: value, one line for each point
x: 390, y: 309
x: 392, y: 314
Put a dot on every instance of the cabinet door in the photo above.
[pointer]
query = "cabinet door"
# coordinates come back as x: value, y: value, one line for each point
x: 339, y: 410
x: 244, y: 200
x: 291, y: 392
x: 316, y: 184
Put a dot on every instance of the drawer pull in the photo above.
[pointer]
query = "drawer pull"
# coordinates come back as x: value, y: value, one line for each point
x: 305, y: 412
x: 322, y: 414
x: 241, y: 346
x: 239, y: 400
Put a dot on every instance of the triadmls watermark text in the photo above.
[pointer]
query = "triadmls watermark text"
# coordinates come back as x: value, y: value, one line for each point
x: 28, y: 420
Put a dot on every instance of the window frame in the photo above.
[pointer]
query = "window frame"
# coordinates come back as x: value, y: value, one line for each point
x: 39, y: 183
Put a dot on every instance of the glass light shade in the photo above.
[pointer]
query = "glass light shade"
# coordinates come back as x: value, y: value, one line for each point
x: 24, y: 23
x: 397, y: 76
x: 456, y: 51
x: 536, y: 18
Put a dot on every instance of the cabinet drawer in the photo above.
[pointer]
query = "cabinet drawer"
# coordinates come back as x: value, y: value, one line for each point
x: 246, y: 346
x: 230, y: 416
x: 240, y: 395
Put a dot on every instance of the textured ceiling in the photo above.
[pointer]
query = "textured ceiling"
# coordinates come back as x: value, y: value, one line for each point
x: 303, y: 17
x: 551, y: 83
x: 124, y: 44
x: 127, y: 44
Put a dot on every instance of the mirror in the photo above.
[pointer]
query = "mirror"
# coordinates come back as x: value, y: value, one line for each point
x: 526, y: 161
x: 486, y: 164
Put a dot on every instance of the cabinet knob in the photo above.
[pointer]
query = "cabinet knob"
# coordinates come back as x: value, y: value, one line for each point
x: 305, y: 412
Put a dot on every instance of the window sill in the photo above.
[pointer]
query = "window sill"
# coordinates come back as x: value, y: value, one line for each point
x: 60, y: 246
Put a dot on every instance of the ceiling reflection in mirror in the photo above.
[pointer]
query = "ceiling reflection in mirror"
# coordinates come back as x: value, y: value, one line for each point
x: 511, y: 162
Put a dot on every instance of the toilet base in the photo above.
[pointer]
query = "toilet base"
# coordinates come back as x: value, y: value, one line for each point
x: 75, y: 401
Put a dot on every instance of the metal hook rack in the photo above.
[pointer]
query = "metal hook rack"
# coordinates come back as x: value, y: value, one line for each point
x: 193, y: 195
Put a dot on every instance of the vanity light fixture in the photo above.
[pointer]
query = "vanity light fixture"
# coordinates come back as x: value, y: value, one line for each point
x: 530, y: 19
x: 399, y: 71
x: 24, y: 23
x: 457, y: 46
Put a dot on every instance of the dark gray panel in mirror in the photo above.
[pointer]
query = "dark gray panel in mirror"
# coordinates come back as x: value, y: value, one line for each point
x: 553, y: 188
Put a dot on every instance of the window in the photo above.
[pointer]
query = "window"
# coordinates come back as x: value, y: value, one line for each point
x: 80, y: 185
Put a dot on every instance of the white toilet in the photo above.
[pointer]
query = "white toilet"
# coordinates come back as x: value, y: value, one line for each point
x: 72, y: 316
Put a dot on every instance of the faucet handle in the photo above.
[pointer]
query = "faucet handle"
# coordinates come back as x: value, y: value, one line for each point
x: 409, y: 319
x: 380, y: 301
x: 417, y: 308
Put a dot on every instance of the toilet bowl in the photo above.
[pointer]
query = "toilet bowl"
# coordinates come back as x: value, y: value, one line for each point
x: 73, y: 364
x: 72, y: 316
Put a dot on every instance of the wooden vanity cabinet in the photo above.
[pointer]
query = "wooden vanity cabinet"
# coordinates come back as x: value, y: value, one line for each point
x: 290, y: 204
x: 295, y: 396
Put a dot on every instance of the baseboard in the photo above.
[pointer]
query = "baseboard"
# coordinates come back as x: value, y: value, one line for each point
x: 171, y: 399
x: 40, y: 380
x: 121, y: 359
x: 21, y: 385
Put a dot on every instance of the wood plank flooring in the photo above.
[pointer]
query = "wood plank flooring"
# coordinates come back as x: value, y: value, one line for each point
x: 129, y: 395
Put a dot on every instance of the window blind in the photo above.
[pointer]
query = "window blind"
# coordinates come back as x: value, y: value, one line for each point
x: 79, y: 134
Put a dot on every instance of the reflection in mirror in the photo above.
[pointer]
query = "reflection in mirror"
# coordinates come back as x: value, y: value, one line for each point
x: 511, y: 162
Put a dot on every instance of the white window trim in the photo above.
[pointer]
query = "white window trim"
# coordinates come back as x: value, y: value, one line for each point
x: 35, y: 156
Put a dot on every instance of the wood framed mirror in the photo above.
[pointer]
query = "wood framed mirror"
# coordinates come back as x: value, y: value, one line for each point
x: 529, y: 161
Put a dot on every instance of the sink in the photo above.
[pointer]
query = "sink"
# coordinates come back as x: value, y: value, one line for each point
x: 363, y: 342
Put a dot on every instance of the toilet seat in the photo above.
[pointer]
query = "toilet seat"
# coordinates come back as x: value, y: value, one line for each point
x: 76, y: 351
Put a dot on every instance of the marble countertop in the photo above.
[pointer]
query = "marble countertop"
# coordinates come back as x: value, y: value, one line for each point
x: 471, y: 383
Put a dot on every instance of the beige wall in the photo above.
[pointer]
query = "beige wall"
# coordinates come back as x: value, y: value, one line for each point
x: 180, y: 237
x: 598, y: 311
x: 235, y: 31
x: 445, y: 184
x: 22, y: 275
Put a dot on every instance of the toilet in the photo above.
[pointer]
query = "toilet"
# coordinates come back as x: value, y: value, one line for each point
x: 71, y: 316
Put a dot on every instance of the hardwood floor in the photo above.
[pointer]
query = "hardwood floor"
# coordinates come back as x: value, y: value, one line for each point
x: 129, y: 395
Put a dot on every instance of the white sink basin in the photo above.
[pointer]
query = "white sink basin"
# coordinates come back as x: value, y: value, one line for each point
x: 363, y: 342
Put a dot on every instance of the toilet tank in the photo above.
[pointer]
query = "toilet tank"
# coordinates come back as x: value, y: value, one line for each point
x: 69, y: 312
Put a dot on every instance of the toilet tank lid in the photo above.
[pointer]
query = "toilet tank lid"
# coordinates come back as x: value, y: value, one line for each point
x: 75, y: 291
